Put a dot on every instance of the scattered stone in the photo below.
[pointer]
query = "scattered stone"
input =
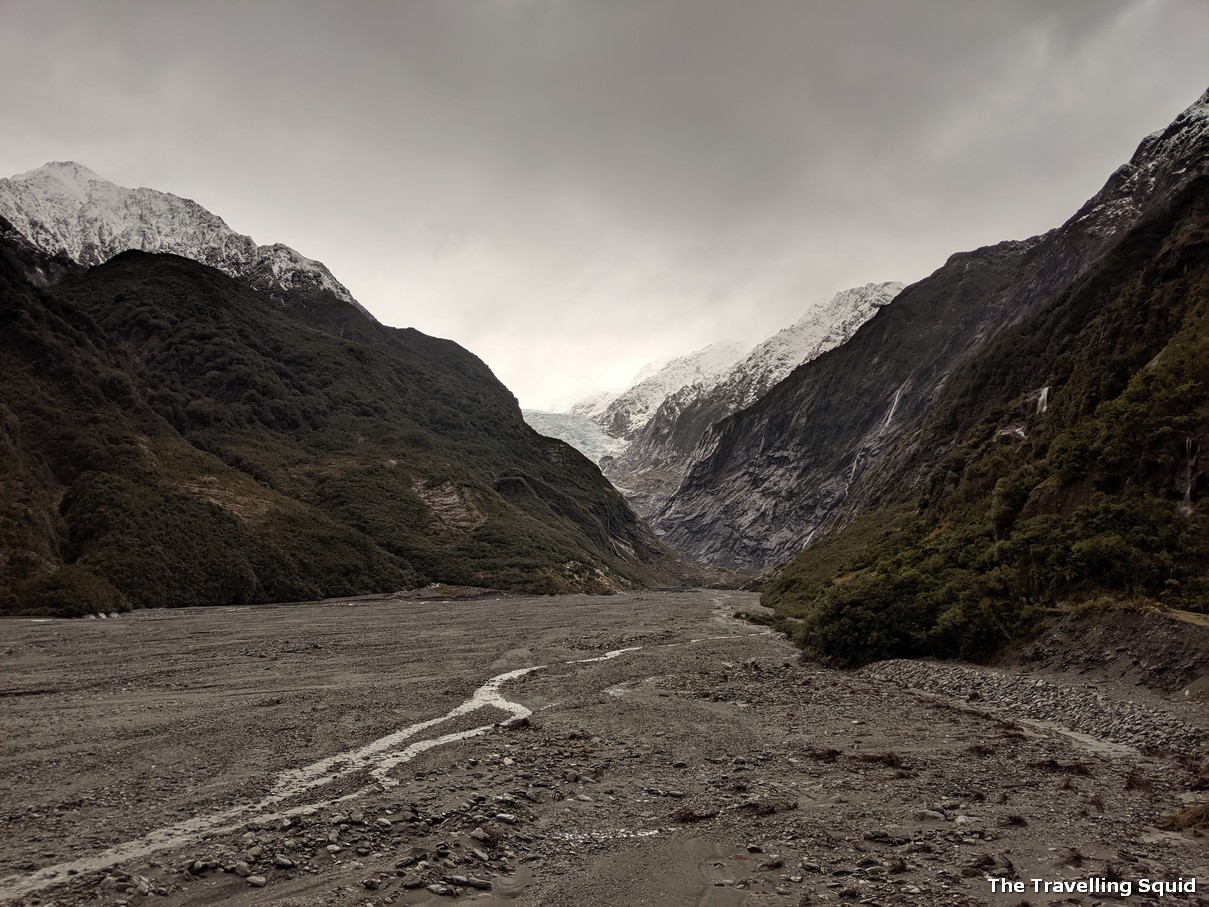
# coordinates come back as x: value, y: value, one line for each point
x: 928, y: 815
x: 881, y: 836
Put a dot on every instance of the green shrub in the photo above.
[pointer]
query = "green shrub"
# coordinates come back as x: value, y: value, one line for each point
x: 70, y: 591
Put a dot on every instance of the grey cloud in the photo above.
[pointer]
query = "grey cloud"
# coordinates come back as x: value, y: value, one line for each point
x: 652, y: 174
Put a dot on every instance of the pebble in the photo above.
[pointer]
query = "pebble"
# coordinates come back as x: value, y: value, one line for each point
x: 1084, y: 711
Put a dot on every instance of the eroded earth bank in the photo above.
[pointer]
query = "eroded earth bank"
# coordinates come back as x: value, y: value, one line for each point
x: 638, y: 749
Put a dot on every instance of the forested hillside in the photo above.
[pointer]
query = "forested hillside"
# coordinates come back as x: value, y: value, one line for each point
x: 173, y: 436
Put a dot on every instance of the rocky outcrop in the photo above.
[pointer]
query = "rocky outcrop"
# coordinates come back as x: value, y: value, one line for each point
x: 843, y: 432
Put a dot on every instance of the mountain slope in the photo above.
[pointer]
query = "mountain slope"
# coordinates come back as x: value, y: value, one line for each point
x: 64, y: 208
x: 1077, y: 470
x: 174, y: 436
x: 654, y: 464
x: 815, y: 451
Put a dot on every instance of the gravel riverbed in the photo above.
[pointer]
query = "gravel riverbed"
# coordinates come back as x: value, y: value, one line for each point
x: 658, y: 752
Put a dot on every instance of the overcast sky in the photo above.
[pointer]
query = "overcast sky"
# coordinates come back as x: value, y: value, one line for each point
x: 571, y: 188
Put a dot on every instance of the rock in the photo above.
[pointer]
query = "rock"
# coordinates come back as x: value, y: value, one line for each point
x: 242, y: 869
x: 382, y: 823
x: 283, y: 862
x: 257, y: 881
x: 928, y: 815
x: 881, y: 836
x: 480, y: 884
x: 506, y: 818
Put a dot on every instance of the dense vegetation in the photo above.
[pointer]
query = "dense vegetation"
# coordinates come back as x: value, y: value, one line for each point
x: 1095, y: 493
x: 173, y: 437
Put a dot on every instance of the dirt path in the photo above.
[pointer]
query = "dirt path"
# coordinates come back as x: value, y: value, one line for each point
x: 583, y: 750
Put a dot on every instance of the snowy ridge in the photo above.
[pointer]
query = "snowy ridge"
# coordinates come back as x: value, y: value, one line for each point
x: 819, y: 330
x: 626, y: 413
x: 65, y: 208
x: 1165, y: 161
x: 591, y: 406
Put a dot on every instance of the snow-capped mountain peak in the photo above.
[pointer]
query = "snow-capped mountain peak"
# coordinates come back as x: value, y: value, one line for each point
x: 65, y: 208
x: 625, y: 413
x: 66, y: 178
x: 820, y: 329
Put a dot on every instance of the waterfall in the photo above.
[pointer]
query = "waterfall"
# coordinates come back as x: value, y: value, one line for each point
x: 894, y: 405
x: 1043, y: 400
x: 1190, y: 452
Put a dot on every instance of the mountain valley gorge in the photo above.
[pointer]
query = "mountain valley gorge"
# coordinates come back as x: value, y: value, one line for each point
x: 906, y: 605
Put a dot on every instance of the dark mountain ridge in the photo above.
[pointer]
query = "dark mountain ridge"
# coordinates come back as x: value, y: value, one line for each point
x: 820, y: 449
x: 1089, y: 488
x: 174, y: 436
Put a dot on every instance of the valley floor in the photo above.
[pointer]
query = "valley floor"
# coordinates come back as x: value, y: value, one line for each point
x: 636, y: 749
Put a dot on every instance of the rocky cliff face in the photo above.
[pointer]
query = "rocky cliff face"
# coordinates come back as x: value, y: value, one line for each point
x: 842, y: 432
x: 662, y: 450
x: 64, y: 208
